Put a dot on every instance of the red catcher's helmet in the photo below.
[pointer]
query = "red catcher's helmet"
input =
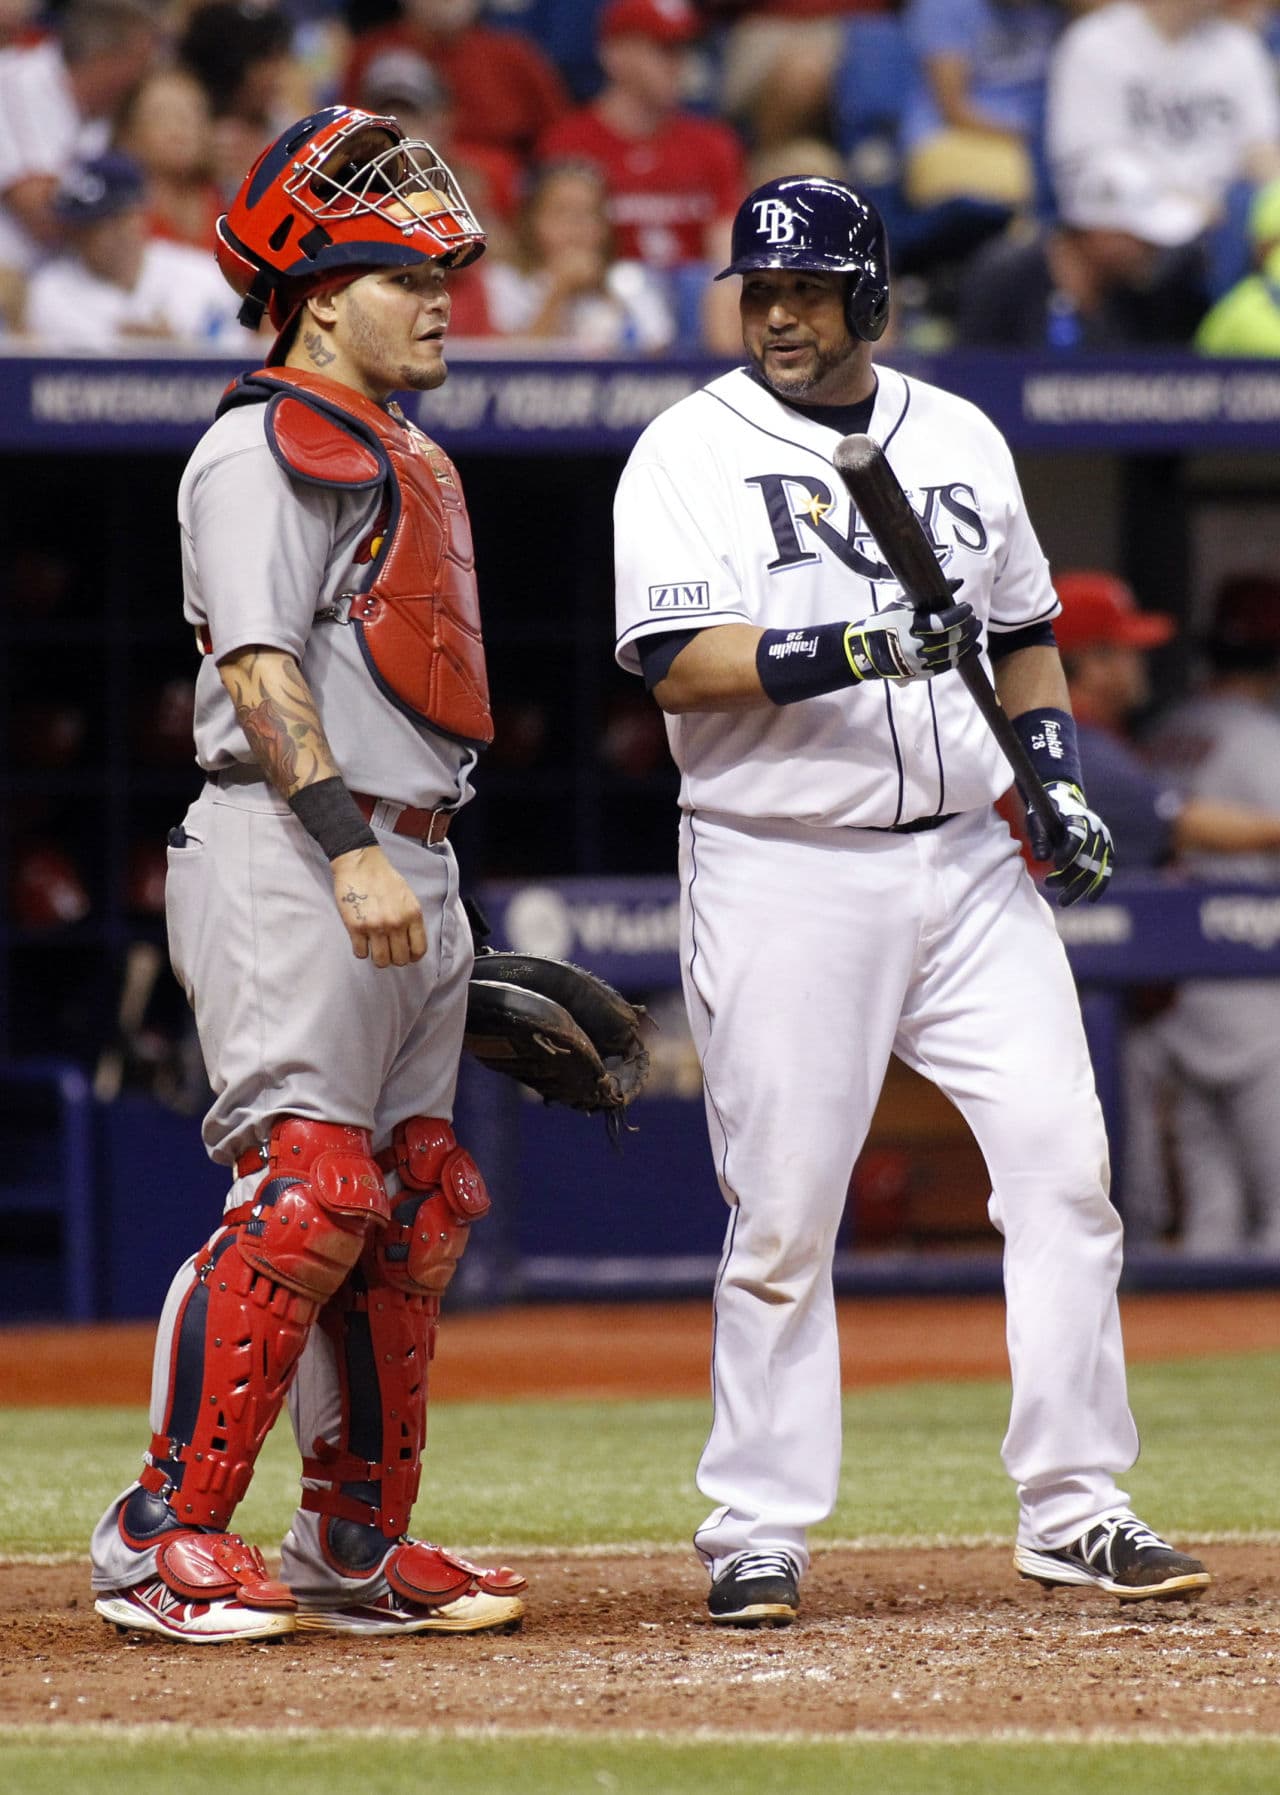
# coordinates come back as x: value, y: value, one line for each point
x: 337, y: 193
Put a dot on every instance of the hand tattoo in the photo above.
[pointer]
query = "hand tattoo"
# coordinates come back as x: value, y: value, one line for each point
x: 354, y: 899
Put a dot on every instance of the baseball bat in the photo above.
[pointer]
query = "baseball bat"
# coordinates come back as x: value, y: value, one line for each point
x: 899, y: 535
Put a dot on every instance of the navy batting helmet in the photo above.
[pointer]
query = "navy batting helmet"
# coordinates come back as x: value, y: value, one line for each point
x: 808, y: 221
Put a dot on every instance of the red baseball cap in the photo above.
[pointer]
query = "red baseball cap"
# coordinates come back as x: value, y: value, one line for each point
x: 1100, y: 611
x: 665, y: 21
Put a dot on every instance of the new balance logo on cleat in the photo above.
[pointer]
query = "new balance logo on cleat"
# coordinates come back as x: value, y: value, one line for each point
x: 759, y: 1589
x: 1122, y: 1557
x: 152, y: 1607
x: 207, y: 1589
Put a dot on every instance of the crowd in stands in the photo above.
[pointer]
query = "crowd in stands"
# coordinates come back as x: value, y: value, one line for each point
x: 1052, y: 172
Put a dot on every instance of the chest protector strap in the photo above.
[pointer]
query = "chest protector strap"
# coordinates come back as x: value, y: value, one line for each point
x: 417, y: 615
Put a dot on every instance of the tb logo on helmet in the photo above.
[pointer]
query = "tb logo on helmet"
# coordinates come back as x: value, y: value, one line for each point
x: 808, y: 221
x: 774, y: 219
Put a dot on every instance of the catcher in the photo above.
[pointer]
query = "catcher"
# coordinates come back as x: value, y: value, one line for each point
x: 315, y: 923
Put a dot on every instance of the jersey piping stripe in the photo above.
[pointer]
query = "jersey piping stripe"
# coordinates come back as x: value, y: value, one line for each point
x: 937, y: 753
x: 721, y: 1272
x: 790, y: 443
x: 693, y: 956
x: 906, y: 407
x: 706, y: 1084
x: 998, y: 628
x: 663, y: 625
x: 897, y: 752
x: 888, y: 690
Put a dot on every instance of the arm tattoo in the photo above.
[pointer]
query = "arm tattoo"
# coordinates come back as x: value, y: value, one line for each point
x: 313, y: 343
x: 267, y: 733
x: 277, y: 713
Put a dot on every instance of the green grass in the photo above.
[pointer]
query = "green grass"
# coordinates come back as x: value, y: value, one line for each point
x: 920, y: 1460
x: 48, y: 1765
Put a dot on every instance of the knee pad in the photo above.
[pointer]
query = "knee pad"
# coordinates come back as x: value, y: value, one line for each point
x: 320, y: 1196
x: 442, y: 1193
x: 256, y: 1291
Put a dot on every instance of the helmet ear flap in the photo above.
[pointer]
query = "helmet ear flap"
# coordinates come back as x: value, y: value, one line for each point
x: 866, y: 307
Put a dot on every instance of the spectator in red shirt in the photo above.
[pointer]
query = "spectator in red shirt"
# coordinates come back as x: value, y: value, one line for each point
x: 507, y: 91
x: 674, y: 179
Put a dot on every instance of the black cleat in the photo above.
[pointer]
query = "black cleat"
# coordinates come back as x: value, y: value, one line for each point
x: 759, y: 1589
x: 1120, y: 1556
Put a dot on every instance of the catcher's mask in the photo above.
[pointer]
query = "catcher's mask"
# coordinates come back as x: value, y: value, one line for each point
x: 808, y: 221
x: 336, y: 195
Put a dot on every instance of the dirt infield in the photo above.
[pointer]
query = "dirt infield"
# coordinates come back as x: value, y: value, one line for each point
x: 657, y: 1349
x: 915, y: 1642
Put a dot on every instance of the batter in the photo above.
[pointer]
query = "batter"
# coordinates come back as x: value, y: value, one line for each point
x: 848, y: 892
x: 315, y: 922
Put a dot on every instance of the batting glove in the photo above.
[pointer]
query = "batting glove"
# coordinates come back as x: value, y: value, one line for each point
x: 1086, y: 860
x: 901, y: 643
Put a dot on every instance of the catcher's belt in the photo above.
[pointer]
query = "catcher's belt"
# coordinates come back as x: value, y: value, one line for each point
x: 558, y: 1029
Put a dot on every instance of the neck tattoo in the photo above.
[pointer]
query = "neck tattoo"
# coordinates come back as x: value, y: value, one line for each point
x: 313, y: 343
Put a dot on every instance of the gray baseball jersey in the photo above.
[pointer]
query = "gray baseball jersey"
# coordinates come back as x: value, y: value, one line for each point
x: 266, y: 559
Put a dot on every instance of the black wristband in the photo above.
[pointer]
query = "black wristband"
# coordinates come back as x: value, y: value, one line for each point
x: 328, y: 812
x: 1049, y: 737
x: 804, y: 663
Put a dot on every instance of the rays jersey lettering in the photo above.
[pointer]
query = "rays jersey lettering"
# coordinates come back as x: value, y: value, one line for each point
x: 798, y: 506
x: 732, y: 489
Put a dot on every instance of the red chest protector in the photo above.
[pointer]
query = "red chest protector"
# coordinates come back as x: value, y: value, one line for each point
x: 417, y: 616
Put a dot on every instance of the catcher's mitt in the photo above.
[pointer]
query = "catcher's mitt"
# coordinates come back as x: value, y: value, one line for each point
x: 558, y: 1029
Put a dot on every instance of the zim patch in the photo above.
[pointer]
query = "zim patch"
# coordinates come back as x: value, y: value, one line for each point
x: 693, y: 597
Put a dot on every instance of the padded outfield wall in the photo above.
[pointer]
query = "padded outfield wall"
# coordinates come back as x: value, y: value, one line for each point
x: 1163, y: 469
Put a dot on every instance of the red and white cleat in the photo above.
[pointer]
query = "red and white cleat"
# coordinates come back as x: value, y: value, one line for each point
x: 208, y: 1588
x: 428, y: 1591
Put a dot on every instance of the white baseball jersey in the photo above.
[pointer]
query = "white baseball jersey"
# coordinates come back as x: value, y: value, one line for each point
x: 730, y: 511
x: 1190, y: 106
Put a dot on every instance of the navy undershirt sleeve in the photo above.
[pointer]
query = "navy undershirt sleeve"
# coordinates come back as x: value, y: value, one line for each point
x: 657, y: 653
x: 1034, y: 635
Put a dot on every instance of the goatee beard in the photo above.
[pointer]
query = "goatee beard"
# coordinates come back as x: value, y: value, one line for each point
x: 423, y: 380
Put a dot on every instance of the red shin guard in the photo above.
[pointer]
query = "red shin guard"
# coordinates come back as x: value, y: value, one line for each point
x: 243, y: 1323
x: 383, y: 1328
